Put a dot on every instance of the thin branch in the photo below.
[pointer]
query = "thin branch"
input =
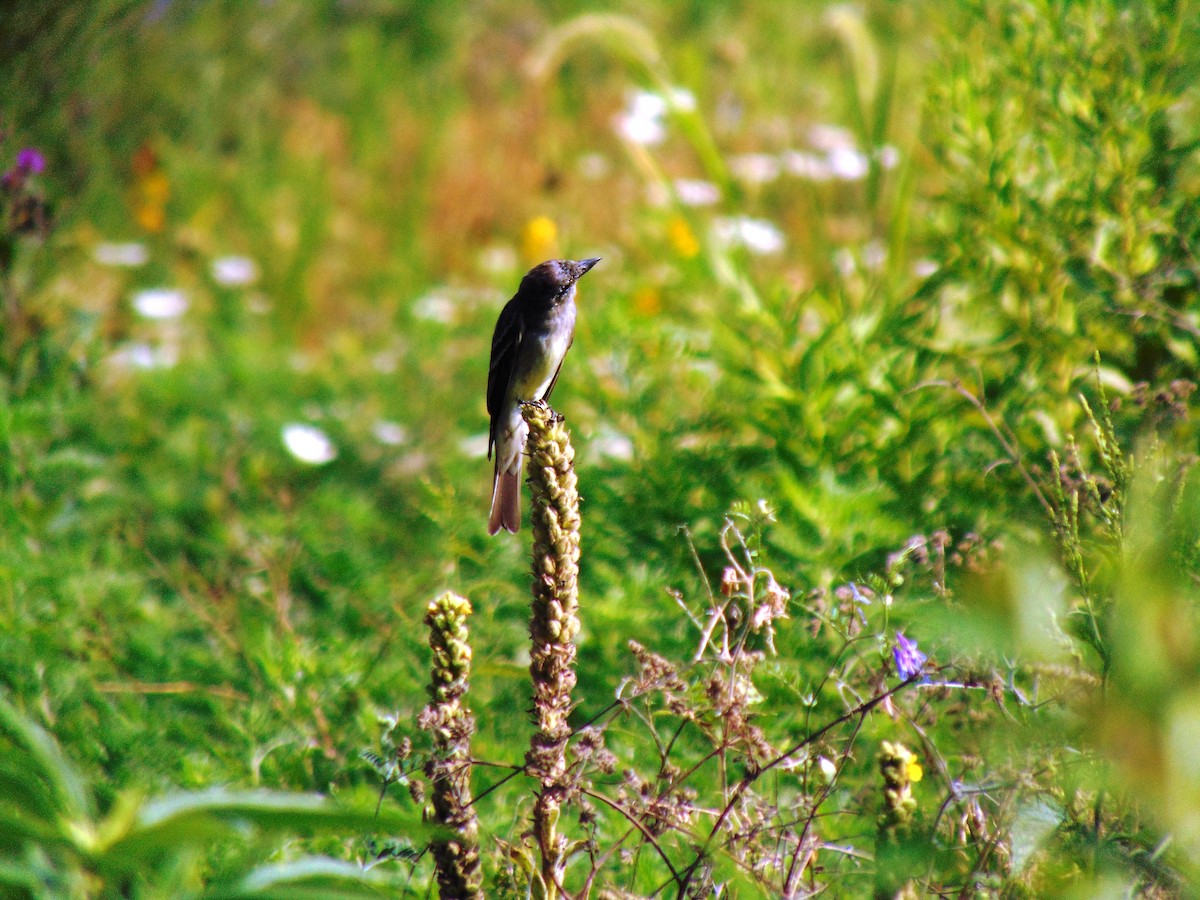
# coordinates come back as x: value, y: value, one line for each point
x: 646, y: 833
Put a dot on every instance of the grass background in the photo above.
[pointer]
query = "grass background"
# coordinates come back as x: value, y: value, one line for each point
x: 185, y: 604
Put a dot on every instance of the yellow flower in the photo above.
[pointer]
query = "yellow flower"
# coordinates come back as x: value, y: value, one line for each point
x: 150, y: 200
x: 681, y: 237
x: 913, y: 770
x: 647, y: 301
x: 910, y: 765
x: 539, y: 239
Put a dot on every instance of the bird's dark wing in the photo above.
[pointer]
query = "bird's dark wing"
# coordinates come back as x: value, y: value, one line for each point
x: 506, y: 344
x: 554, y: 380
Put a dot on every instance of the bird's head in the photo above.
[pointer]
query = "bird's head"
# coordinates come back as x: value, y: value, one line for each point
x: 553, y: 280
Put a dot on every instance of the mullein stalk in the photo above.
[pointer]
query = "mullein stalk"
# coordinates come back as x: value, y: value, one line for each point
x: 897, y: 849
x: 553, y: 628
x: 449, y: 768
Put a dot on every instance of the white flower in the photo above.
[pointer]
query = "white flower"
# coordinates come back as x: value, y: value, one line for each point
x: 807, y: 165
x: 138, y: 355
x: 390, y: 433
x: 641, y: 124
x: 308, y: 444
x: 697, y: 192
x: 160, y: 303
x: 644, y: 119
x: 827, y: 767
x: 682, y: 99
x: 755, y: 168
x: 647, y: 105
x: 874, y: 255
x: 498, y: 259
x: 434, y: 307
x: 234, y: 271
x: 129, y: 255
x: 849, y: 164
x: 888, y: 156
x: 756, y: 235
x: 923, y: 268
x: 843, y: 259
x: 831, y: 137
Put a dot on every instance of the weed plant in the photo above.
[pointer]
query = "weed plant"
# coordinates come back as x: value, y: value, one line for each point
x: 883, y: 414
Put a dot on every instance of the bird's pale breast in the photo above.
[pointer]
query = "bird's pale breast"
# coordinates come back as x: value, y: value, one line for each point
x: 543, y: 354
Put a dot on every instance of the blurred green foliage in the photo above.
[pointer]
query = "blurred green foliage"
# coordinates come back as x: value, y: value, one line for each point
x: 963, y: 385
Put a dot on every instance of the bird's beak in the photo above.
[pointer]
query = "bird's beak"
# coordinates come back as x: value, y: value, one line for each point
x: 585, y: 265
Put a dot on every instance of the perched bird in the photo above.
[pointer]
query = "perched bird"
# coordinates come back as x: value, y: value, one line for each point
x: 532, y: 336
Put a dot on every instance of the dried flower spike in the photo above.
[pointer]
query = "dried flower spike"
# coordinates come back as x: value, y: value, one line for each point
x: 553, y: 627
x: 449, y: 768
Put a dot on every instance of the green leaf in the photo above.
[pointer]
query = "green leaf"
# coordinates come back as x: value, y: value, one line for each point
x: 204, y: 816
x: 309, y: 878
x: 66, y: 789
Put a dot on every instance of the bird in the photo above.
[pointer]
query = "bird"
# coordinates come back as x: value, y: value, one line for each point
x: 533, y: 334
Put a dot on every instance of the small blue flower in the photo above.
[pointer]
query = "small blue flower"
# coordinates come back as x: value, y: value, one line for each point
x: 909, y: 660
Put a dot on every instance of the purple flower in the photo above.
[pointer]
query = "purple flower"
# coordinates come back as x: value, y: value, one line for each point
x: 30, y: 161
x: 909, y: 660
x: 858, y: 595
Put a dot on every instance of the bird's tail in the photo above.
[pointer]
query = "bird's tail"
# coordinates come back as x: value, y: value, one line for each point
x: 506, y: 500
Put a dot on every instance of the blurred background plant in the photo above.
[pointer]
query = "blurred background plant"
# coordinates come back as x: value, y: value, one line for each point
x: 862, y: 261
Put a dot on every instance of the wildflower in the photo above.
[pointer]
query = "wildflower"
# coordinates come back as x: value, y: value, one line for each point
x: 539, y: 239
x: 234, y: 271
x: 681, y: 99
x: 913, y: 770
x: 682, y: 238
x: 643, y: 121
x: 391, y: 433
x: 308, y: 444
x: 151, y: 190
x: 731, y: 581
x: 138, y: 355
x: 923, y: 268
x: 874, y: 255
x: 131, y: 255
x: 888, y: 156
x: 809, y: 166
x: 30, y: 161
x: 909, y: 660
x: 160, y: 303
x: 647, y: 301
x: 756, y: 235
x: 895, y: 830
x: 434, y: 307
x: 498, y: 259
x: 900, y: 768
x: 849, y: 164
x: 830, y: 137
x: 827, y: 767
x: 696, y: 192
x: 755, y: 168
